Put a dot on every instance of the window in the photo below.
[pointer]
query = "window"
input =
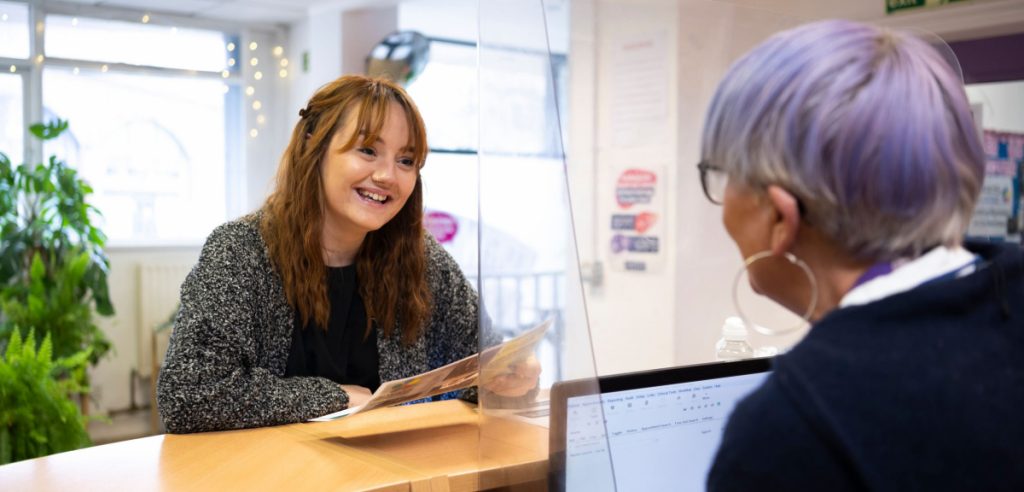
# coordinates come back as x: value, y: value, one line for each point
x: 132, y: 43
x: 152, y: 141
x: 157, y: 174
x: 13, y: 30
x: 11, y: 133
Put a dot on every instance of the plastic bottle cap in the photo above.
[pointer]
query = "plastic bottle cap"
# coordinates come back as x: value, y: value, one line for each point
x: 734, y: 329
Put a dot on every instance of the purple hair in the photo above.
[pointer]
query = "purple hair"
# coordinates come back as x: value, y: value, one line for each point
x: 869, y: 128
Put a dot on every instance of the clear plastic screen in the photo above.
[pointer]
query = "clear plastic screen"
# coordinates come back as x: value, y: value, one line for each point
x: 649, y: 267
x: 529, y: 273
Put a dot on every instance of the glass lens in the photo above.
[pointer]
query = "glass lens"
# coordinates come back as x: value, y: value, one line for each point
x: 715, y: 179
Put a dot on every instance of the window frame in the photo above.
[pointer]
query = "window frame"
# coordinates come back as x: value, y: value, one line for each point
x: 236, y: 113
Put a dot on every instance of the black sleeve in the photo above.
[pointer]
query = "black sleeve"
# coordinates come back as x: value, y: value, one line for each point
x: 768, y: 446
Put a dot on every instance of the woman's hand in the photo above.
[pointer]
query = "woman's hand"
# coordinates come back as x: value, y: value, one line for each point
x: 522, y: 377
x: 357, y: 395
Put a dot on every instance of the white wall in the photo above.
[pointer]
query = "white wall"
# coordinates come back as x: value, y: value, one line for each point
x: 111, y: 379
x: 641, y: 320
x: 1002, y: 105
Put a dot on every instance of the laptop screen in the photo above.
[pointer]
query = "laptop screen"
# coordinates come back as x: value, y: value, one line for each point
x: 661, y: 437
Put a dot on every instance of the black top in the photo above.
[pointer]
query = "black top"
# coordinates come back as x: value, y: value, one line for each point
x: 342, y: 353
x: 922, y: 390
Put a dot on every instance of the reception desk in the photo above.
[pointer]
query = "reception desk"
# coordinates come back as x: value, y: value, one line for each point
x: 440, y: 446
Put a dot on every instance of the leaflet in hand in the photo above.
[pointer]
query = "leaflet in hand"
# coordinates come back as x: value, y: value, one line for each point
x: 460, y: 374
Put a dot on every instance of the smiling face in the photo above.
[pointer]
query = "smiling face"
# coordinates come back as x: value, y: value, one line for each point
x: 365, y: 186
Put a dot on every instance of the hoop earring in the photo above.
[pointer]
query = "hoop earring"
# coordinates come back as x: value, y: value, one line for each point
x: 792, y: 259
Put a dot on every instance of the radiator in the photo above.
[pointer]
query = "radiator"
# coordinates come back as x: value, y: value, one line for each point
x: 159, y: 288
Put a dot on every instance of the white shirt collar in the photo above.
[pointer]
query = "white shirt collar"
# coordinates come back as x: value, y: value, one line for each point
x: 935, y: 263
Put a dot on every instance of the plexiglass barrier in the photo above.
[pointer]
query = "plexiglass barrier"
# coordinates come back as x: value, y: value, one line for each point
x: 592, y: 215
x: 529, y: 279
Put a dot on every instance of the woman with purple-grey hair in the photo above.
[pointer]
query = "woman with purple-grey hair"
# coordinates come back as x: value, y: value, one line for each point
x: 847, y: 164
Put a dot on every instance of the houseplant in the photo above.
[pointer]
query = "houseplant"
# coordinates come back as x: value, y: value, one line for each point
x: 53, y: 270
x: 37, y: 416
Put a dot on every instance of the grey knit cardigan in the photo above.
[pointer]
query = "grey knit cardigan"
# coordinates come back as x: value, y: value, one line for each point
x: 225, y: 365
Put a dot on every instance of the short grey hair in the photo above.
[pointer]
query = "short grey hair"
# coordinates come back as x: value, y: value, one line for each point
x: 869, y: 128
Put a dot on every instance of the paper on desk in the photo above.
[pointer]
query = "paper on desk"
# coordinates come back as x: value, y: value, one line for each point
x: 460, y: 374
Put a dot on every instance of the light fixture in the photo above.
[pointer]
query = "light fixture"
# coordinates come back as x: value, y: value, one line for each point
x: 231, y: 62
x: 225, y: 73
x: 225, y: 88
x: 74, y: 21
x: 278, y: 51
x: 253, y: 133
x: 39, y: 59
x: 261, y: 119
x: 257, y: 105
x: 254, y: 61
x: 253, y: 46
x: 104, y: 68
x: 14, y: 69
x: 145, y: 18
x: 258, y: 75
x: 250, y: 90
x: 231, y: 46
x: 74, y: 70
x: 284, y: 62
x: 283, y: 73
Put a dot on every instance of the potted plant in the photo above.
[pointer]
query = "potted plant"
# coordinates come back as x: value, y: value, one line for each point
x: 37, y: 416
x: 53, y: 272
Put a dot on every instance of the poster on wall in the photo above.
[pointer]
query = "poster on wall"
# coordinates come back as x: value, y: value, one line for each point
x: 997, y: 214
x: 637, y: 221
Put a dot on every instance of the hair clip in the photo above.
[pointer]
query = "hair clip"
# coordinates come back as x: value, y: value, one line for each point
x: 303, y: 112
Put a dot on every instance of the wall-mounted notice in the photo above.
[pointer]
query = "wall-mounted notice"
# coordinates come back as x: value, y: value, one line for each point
x: 995, y: 206
x: 639, y: 89
x: 897, y: 5
x: 442, y: 225
x: 637, y: 220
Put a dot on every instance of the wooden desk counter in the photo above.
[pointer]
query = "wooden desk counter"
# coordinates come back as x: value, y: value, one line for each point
x: 441, y: 446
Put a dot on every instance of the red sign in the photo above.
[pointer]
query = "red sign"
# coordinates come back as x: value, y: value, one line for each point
x: 443, y: 226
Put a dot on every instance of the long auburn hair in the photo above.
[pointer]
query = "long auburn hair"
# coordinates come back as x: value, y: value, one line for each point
x: 390, y: 264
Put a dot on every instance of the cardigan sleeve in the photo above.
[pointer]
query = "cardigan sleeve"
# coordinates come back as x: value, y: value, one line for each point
x: 212, y: 378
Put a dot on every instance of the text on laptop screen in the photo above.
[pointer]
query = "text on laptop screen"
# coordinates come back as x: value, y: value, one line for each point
x: 661, y: 438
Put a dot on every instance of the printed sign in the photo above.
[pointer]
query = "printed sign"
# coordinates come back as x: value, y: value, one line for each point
x: 635, y: 225
x: 442, y: 225
x: 635, y: 186
x: 995, y: 206
x: 896, y: 5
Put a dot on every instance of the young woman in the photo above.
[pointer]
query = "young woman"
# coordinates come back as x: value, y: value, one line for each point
x: 332, y: 287
x: 851, y: 151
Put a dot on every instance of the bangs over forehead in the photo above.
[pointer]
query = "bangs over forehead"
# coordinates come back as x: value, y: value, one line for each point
x: 372, y: 110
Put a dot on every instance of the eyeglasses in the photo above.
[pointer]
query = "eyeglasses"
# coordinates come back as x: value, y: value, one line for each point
x: 713, y: 180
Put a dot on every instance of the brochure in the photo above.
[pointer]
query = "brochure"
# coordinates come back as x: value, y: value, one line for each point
x: 460, y: 374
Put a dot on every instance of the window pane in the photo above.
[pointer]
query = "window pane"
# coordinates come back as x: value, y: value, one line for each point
x: 11, y: 124
x: 13, y: 30
x: 158, y: 174
x: 447, y: 97
x: 137, y: 44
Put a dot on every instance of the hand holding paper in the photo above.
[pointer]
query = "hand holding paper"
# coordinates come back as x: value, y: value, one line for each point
x: 509, y: 369
x: 520, y: 378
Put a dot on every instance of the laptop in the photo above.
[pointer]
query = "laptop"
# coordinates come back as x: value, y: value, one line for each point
x: 663, y: 426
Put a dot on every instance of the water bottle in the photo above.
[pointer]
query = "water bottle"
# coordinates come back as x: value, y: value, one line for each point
x: 733, y: 345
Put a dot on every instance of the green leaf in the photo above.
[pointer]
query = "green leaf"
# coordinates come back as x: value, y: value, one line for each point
x: 47, y: 131
x: 14, y: 346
